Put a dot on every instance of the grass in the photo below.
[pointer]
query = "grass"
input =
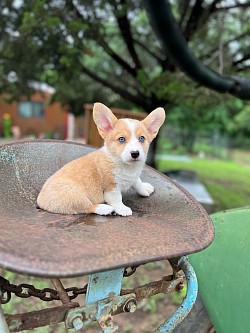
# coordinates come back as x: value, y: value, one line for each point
x: 228, y: 182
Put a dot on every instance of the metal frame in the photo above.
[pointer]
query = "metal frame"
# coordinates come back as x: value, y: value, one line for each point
x: 188, y: 303
x: 105, y: 298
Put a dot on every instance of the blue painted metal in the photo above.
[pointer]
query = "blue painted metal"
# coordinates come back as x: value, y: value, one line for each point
x: 3, y: 325
x: 187, y: 304
x: 100, y: 311
x: 102, y: 288
x: 104, y: 284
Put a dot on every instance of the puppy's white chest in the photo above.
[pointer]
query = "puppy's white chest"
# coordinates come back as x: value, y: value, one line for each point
x: 126, y: 177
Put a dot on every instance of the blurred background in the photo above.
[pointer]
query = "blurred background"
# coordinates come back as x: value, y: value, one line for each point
x: 59, y: 57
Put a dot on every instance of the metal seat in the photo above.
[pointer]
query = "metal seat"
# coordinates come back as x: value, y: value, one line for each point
x: 169, y: 224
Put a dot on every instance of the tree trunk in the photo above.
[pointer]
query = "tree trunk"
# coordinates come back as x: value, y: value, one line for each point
x: 151, y: 153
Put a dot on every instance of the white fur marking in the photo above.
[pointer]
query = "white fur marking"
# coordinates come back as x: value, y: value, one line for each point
x: 133, y: 144
x: 103, y: 209
x: 114, y: 198
x: 143, y: 189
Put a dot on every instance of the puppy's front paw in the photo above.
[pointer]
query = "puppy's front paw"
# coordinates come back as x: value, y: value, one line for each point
x: 123, y: 211
x: 145, y: 189
x: 103, y: 209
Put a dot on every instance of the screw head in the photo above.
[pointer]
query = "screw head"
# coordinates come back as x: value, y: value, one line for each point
x: 130, y: 306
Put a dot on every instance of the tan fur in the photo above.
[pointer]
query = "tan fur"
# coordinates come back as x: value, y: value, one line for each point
x: 79, y: 185
x: 120, y: 129
x: 85, y: 184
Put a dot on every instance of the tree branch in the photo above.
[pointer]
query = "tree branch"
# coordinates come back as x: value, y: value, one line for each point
x: 193, y: 21
x: 165, y: 63
x: 199, y: 16
x: 122, y: 92
x: 145, y: 48
x: 239, y: 5
x: 244, y: 58
x: 211, y: 52
x: 125, y: 29
x: 100, y: 38
x: 183, y: 8
x: 117, y: 58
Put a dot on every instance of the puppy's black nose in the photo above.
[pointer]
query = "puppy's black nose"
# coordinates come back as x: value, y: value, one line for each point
x: 135, y: 153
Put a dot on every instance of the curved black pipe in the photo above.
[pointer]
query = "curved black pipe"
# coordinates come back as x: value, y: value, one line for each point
x: 176, y: 48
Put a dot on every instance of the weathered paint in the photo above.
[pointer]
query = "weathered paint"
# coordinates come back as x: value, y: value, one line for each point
x: 6, y: 155
x: 187, y: 304
x: 103, y: 285
x: 223, y: 271
x: 3, y: 325
x: 101, y: 311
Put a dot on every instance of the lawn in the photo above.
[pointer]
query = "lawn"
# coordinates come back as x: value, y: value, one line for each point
x: 228, y: 182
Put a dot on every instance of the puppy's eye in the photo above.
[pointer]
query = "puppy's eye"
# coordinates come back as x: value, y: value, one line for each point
x: 122, y: 139
x: 141, y: 139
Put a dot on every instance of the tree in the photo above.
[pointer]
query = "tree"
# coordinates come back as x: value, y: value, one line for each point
x: 96, y: 47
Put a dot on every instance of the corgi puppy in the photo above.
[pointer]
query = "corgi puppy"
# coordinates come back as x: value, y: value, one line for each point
x: 94, y: 183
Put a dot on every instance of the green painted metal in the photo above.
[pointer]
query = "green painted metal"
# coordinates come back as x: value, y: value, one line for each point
x: 223, y: 272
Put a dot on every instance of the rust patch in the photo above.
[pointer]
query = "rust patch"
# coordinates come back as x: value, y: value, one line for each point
x: 30, y: 320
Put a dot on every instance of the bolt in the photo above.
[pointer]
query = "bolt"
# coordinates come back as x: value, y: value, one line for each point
x: 130, y: 306
x: 77, y: 323
x: 179, y: 286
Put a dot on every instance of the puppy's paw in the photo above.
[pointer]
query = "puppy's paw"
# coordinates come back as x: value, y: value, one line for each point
x: 123, y: 211
x: 103, y: 209
x: 145, y: 189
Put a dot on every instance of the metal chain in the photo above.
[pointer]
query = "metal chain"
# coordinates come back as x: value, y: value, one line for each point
x: 25, y: 290
x: 130, y: 270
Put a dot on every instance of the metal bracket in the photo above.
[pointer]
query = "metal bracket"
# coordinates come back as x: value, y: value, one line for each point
x: 102, y: 300
x: 101, y: 311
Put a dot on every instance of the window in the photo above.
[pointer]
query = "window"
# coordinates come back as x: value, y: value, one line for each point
x: 29, y: 109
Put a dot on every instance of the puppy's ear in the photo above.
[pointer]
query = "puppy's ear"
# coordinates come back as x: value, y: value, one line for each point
x: 104, y: 118
x: 154, y: 121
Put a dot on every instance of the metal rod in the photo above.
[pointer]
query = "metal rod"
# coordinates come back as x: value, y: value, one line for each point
x: 187, y: 304
x: 3, y: 325
x: 31, y: 320
x: 64, y: 297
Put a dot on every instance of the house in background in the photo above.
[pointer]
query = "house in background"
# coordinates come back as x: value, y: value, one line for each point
x: 37, y: 118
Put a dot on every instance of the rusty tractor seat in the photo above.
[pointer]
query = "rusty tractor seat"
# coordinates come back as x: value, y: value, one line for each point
x: 168, y: 224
